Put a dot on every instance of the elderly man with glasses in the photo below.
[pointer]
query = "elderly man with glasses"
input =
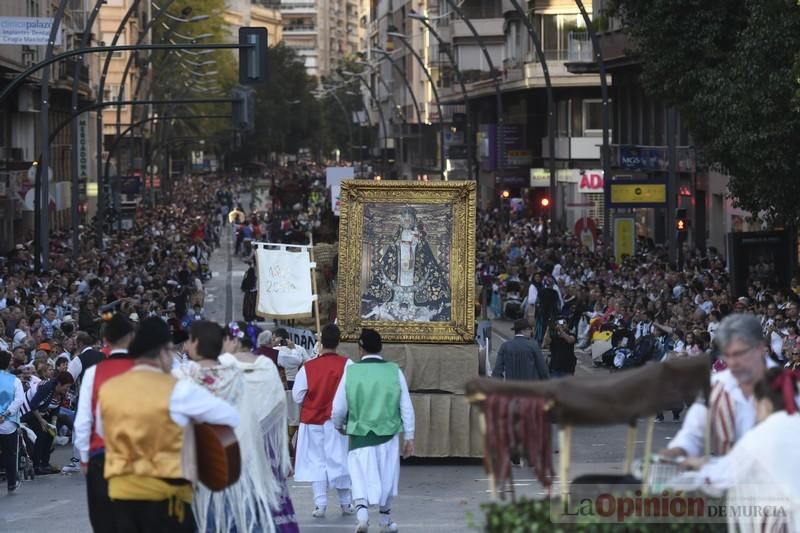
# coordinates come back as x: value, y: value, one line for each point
x: 732, y: 405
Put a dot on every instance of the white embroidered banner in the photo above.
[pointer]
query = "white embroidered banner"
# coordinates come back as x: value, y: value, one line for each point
x: 284, y: 281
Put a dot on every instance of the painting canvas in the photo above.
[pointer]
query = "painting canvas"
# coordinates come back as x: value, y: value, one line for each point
x: 406, y: 258
x: 406, y: 262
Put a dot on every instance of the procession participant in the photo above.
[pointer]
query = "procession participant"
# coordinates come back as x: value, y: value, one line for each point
x: 118, y: 332
x: 758, y: 471
x: 372, y: 406
x: 260, y: 500
x: 148, y: 471
x: 290, y: 356
x: 733, y: 410
x: 321, y: 456
x: 11, y: 398
x: 87, y: 356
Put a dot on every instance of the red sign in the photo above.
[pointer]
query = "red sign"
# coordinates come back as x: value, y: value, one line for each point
x: 591, y: 181
x: 586, y: 231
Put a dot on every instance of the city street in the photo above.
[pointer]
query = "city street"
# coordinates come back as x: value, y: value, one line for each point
x: 435, y: 495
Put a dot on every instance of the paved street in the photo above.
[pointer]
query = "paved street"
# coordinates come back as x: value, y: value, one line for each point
x: 441, y: 495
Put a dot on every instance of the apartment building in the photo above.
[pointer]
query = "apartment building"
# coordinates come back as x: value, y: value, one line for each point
x: 324, y: 32
x: 256, y: 13
x: 20, y: 146
x: 515, y: 158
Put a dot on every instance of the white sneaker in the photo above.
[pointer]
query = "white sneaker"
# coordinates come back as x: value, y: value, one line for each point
x: 319, y: 512
x: 71, y: 469
x: 362, y: 527
x: 348, y: 510
x: 391, y: 527
x: 61, y: 441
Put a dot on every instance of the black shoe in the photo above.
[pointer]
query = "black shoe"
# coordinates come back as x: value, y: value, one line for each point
x: 12, y: 488
x: 46, y: 471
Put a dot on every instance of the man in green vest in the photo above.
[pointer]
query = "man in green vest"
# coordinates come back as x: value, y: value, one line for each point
x: 372, y: 406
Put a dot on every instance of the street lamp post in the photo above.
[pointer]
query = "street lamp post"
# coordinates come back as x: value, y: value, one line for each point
x: 101, y: 198
x: 404, y: 39
x: 41, y: 233
x: 75, y: 132
x: 605, y: 155
x: 390, y: 94
x: 374, y: 98
x: 442, y: 46
x: 410, y: 89
x: 494, y: 73
x: 551, y: 111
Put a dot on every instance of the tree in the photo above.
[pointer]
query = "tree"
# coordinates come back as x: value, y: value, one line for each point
x: 731, y: 69
x: 174, y: 71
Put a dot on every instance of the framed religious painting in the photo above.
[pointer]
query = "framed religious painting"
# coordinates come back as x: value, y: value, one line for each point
x: 407, y: 260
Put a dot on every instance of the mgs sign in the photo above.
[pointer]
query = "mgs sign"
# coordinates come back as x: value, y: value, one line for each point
x: 591, y: 181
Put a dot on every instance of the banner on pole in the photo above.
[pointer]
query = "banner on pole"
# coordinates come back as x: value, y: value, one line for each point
x: 28, y: 31
x: 302, y: 337
x: 284, y: 281
x: 335, y: 175
x: 336, y: 199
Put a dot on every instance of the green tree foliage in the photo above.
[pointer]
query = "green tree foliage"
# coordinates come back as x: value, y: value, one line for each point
x: 350, y: 106
x: 287, y: 114
x: 172, y: 70
x: 731, y: 68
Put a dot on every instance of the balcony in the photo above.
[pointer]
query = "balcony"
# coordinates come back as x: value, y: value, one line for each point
x: 579, y: 47
x: 66, y: 70
x: 574, y: 147
x: 486, y: 28
x: 301, y: 29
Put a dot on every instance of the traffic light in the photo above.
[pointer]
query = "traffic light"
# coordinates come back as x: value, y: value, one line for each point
x: 539, y: 202
x: 253, y: 67
x: 244, y: 109
x: 681, y: 224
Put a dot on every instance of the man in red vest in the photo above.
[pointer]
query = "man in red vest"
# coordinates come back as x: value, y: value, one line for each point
x: 321, y: 450
x: 118, y: 332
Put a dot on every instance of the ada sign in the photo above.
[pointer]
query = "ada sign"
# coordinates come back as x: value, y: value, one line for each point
x: 591, y: 182
x: 27, y: 31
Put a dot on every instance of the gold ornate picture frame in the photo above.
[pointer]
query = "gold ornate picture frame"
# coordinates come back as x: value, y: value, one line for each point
x: 407, y: 260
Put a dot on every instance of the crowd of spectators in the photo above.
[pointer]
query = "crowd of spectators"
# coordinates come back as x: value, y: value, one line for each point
x: 52, y: 322
x: 646, y: 294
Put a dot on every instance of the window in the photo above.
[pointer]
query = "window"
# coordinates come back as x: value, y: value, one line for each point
x: 554, y: 33
x: 108, y: 38
x: 111, y: 93
x: 562, y: 118
x: 593, y: 118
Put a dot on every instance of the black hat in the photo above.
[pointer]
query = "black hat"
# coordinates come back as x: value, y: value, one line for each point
x: 116, y: 328
x: 521, y: 324
x: 370, y: 341
x: 153, y: 333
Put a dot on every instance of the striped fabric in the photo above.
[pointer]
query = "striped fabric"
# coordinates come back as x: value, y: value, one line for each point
x: 723, y: 421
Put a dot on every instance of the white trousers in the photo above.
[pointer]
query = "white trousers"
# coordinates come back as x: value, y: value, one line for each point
x: 321, y: 455
x: 375, y: 472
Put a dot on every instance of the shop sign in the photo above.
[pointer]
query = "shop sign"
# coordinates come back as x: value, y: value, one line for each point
x: 591, y: 181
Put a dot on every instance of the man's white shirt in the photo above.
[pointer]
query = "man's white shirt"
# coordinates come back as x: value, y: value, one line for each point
x: 340, y: 409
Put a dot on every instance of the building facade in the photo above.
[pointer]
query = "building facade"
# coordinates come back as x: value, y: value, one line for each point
x: 20, y: 143
x: 324, y: 32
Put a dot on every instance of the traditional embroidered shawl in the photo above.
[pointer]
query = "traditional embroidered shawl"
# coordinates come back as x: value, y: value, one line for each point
x: 255, y: 389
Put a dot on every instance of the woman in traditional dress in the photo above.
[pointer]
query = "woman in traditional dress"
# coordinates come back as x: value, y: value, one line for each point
x: 250, y: 289
x: 259, y: 502
x: 758, y: 471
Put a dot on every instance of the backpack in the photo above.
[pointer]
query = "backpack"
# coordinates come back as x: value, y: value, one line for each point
x: 645, y: 347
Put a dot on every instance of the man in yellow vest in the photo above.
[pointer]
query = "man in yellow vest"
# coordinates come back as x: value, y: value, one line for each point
x: 141, y: 415
x: 372, y: 406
